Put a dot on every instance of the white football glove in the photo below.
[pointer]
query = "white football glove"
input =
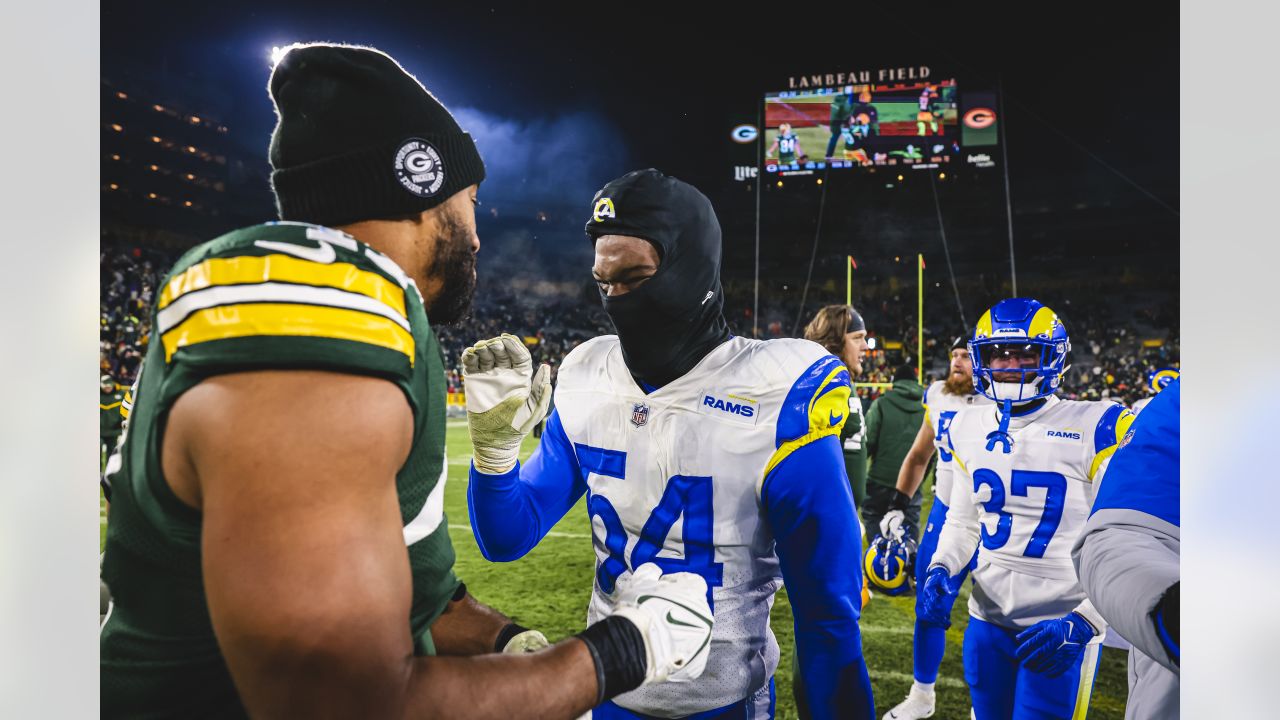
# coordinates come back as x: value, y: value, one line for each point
x: 526, y: 642
x: 505, y: 400
x: 672, y: 614
x: 891, y: 523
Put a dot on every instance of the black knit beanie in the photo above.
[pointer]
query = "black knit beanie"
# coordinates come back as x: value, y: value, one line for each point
x: 358, y: 138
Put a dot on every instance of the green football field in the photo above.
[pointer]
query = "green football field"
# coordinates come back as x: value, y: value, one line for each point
x: 548, y: 589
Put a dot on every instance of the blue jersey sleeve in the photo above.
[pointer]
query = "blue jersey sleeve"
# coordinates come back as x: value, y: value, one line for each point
x: 511, y: 513
x: 1145, y: 475
x: 810, y: 509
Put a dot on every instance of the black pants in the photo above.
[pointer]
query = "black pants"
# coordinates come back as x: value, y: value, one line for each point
x: 877, y: 506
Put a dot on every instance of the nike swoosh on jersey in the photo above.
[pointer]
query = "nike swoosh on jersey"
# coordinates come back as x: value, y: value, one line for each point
x: 835, y: 419
x: 671, y: 619
x: 324, y: 254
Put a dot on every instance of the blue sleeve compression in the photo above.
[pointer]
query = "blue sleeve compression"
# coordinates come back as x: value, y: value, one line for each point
x: 810, y: 509
x: 512, y: 512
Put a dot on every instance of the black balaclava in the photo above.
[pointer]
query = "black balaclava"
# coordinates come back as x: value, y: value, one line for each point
x: 672, y: 320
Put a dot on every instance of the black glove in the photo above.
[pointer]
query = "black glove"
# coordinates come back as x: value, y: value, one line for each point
x: 900, y: 500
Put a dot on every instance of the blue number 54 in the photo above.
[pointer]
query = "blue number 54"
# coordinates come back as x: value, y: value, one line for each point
x: 687, y: 495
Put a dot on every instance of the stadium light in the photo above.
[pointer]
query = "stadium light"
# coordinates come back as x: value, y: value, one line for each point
x: 277, y: 53
x: 942, y: 176
x: 779, y: 183
x: 819, y: 181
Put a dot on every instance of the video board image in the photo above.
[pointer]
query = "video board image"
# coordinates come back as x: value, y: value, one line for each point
x: 868, y: 125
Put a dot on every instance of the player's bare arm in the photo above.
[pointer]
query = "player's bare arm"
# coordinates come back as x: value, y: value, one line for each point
x: 468, y: 627
x: 305, y: 566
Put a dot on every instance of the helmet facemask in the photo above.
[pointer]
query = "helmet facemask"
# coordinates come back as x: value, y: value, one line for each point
x: 1027, y: 368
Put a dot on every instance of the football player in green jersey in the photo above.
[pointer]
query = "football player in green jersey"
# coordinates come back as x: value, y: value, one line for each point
x: 277, y: 544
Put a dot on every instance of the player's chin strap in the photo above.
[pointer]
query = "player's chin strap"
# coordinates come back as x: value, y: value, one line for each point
x: 1001, y: 434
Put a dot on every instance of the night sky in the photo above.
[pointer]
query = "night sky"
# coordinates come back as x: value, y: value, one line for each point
x: 563, y: 99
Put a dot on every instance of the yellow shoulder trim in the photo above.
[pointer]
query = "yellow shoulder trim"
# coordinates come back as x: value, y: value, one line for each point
x: 282, y: 268
x: 248, y: 319
x: 825, y: 406
x: 108, y: 407
x: 1123, y: 424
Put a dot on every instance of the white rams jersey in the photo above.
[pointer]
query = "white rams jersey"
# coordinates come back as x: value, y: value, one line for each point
x: 1139, y: 404
x: 1026, y: 508
x: 674, y: 477
x: 940, y: 407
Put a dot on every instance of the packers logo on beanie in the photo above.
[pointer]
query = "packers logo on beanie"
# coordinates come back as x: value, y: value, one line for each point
x: 358, y: 138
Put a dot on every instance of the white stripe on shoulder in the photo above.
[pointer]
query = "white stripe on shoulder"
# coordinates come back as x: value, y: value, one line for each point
x: 432, y: 512
x: 176, y: 312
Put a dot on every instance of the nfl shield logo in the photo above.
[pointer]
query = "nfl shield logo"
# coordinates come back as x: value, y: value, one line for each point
x: 639, y: 414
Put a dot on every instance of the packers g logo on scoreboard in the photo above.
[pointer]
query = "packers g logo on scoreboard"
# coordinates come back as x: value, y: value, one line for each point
x: 980, y: 118
x: 744, y: 133
x: 604, y: 209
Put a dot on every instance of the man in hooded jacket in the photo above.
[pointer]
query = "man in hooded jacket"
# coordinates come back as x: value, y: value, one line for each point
x: 892, y: 424
x: 697, y: 450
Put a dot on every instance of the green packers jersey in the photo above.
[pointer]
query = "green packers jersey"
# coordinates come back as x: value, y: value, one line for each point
x: 274, y: 296
x: 109, y: 417
x: 787, y: 149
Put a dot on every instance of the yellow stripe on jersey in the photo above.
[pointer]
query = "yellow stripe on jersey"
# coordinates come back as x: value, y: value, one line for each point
x: 250, y: 319
x: 829, y: 402
x: 1084, y: 690
x: 108, y: 407
x: 282, y: 268
x: 1123, y: 422
x: 127, y: 404
x: 959, y: 462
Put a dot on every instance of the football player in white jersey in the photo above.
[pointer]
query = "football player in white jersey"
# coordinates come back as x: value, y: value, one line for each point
x: 697, y: 451
x: 942, y: 400
x: 1027, y: 469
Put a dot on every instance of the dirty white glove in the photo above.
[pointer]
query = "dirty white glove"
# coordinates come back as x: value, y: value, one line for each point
x: 891, y: 523
x: 526, y: 642
x: 505, y: 400
x: 672, y: 614
x: 532, y: 641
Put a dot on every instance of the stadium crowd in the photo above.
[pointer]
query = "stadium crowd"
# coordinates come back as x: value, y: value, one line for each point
x: 128, y: 280
x: 1112, y: 353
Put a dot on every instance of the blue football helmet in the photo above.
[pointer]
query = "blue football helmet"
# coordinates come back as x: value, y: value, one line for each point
x: 1019, y: 325
x: 890, y: 563
x: 1160, y: 379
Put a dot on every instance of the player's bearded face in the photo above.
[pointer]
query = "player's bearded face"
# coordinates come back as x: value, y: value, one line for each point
x: 455, y: 268
x: 960, y: 378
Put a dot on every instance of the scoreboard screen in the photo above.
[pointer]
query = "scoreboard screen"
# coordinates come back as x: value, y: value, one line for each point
x: 916, y: 124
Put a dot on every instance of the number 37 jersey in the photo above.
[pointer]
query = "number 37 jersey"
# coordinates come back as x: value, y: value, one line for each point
x: 1026, y: 507
x: 674, y: 477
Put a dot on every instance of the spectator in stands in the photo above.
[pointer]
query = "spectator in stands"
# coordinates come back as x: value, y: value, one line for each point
x: 892, y: 426
x: 109, y: 418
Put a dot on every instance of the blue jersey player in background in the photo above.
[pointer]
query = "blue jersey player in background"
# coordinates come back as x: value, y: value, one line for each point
x: 696, y: 450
